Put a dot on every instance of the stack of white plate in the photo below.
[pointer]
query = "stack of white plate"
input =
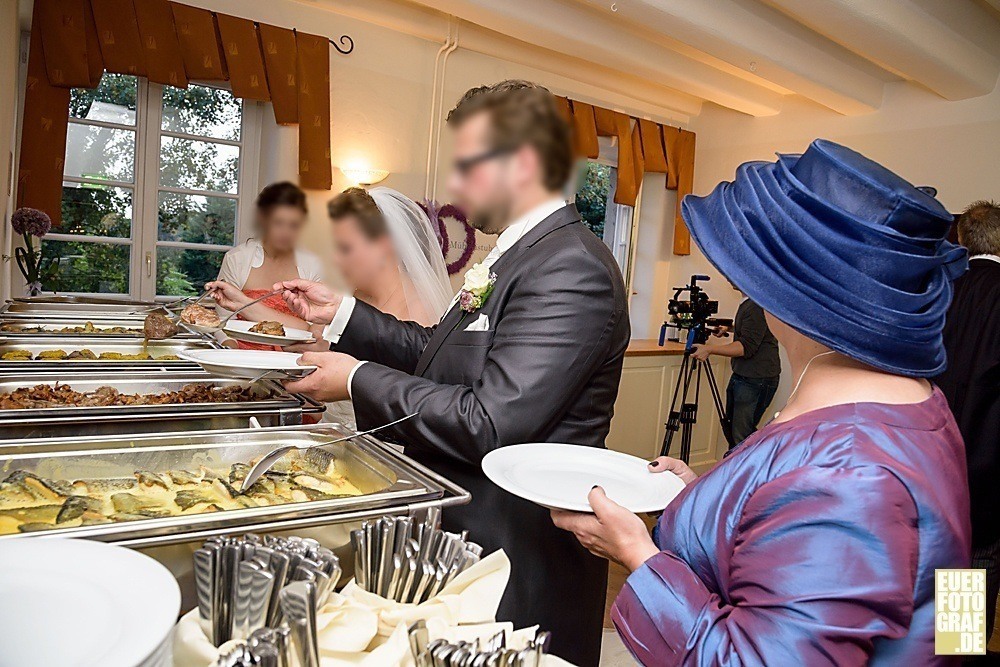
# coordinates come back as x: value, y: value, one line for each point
x: 77, y: 603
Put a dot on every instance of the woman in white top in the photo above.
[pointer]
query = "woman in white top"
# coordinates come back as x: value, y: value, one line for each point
x: 250, y: 270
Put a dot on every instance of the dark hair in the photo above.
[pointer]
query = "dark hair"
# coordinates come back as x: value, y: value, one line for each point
x: 979, y: 228
x: 358, y: 203
x: 281, y: 194
x: 522, y: 112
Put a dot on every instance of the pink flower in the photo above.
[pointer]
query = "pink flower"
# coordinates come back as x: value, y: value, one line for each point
x: 30, y: 221
x: 466, y: 300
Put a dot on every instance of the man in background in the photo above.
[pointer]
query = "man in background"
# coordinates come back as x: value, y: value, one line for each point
x: 756, y: 369
x: 971, y: 383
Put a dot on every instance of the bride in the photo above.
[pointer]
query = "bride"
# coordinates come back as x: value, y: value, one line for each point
x: 388, y: 253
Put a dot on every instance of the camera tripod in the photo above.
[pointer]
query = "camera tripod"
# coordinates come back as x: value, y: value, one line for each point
x: 683, y: 420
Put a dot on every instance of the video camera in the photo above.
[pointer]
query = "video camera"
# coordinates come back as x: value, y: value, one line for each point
x: 694, y: 314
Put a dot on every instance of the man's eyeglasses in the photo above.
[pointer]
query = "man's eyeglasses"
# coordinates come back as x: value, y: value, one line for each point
x: 464, y: 165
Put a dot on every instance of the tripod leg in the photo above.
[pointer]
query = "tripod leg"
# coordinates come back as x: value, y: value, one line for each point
x: 673, y: 416
x: 727, y: 430
x: 691, y: 412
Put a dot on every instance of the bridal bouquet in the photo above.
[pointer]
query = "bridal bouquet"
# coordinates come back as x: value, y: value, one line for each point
x: 30, y: 222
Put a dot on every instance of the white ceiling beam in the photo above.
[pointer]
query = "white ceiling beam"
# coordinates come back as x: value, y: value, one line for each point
x: 760, y: 40
x: 577, y: 31
x: 654, y: 101
x: 901, y: 36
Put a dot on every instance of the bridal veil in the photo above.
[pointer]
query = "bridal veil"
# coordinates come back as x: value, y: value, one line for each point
x: 426, y: 286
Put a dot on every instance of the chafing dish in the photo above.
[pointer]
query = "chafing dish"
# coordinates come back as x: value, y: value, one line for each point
x: 52, y: 326
x: 71, y: 306
x: 281, y: 408
x: 98, y: 345
x: 390, y: 482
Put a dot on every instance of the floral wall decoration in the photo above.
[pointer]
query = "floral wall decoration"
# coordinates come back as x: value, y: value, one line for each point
x: 438, y: 214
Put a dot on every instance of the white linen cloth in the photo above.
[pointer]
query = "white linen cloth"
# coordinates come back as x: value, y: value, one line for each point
x: 356, y: 628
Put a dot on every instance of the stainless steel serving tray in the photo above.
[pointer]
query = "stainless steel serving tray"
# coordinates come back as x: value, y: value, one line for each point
x: 384, y: 477
x: 282, y: 408
x: 69, y: 306
x: 16, y: 326
x: 98, y: 345
x: 394, y: 485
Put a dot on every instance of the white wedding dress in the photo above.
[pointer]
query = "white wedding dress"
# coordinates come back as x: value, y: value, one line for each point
x: 421, y: 266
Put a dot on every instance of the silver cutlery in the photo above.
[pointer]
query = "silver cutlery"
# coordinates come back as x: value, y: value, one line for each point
x: 409, y: 561
x: 440, y: 653
x: 268, y: 460
x: 239, y: 581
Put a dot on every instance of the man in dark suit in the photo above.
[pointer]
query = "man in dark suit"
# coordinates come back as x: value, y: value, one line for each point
x: 538, y: 360
x: 971, y: 383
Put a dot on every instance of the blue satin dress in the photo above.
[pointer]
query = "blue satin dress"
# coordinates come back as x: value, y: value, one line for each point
x: 814, y: 543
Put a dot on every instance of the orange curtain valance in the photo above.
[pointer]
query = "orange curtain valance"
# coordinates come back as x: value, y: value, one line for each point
x: 644, y: 147
x: 74, y: 41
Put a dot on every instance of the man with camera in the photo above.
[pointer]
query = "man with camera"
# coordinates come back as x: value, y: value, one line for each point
x: 756, y: 368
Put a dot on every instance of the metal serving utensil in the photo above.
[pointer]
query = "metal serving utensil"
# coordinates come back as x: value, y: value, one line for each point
x: 272, y: 456
x: 176, y: 302
x: 222, y: 323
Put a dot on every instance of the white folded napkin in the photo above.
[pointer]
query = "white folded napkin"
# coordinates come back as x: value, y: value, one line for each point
x: 481, y: 324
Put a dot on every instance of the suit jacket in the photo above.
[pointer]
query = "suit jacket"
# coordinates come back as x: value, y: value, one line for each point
x: 546, y: 370
x: 972, y: 385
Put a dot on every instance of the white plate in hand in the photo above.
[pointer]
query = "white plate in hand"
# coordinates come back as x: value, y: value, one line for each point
x: 240, y: 330
x: 560, y: 476
x: 80, y: 602
x: 248, y: 364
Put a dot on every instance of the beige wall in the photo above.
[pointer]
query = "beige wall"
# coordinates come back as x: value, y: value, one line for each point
x: 9, y: 41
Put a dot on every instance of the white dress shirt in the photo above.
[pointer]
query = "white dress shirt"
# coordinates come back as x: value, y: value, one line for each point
x: 992, y: 258
x: 508, y: 237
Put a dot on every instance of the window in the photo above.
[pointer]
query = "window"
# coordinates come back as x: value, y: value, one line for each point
x: 156, y: 184
x: 610, y: 221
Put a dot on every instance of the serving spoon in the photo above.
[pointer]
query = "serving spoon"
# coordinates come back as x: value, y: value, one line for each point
x: 222, y: 323
x: 272, y: 456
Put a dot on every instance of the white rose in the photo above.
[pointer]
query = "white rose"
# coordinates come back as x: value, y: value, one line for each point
x: 477, y: 278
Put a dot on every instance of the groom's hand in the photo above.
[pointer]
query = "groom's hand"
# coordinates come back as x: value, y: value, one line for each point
x: 329, y: 381
x: 311, y: 301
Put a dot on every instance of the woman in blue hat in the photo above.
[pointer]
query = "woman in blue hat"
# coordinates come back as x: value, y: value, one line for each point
x: 816, y: 540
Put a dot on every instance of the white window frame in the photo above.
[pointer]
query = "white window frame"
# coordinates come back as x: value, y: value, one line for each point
x: 621, y: 221
x: 146, y: 187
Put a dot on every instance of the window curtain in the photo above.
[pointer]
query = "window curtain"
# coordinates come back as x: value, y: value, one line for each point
x: 644, y: 147
x: 74, y: 41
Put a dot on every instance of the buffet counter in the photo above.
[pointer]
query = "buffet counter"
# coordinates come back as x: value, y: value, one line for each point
x: 648, y: 379
x: 649, y: 347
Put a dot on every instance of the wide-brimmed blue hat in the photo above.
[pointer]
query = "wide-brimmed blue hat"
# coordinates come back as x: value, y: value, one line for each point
x: 839, y: 248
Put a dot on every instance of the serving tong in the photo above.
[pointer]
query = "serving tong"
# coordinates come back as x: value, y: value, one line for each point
x: 492, y: 653
x: 251, y: 583
x: 407, y: 561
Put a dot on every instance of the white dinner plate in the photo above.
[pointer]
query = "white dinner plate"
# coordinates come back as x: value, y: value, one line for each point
x: 248, y: 364
x: 240, y: 330
x: 560, y: 476
x: 81, y: 603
